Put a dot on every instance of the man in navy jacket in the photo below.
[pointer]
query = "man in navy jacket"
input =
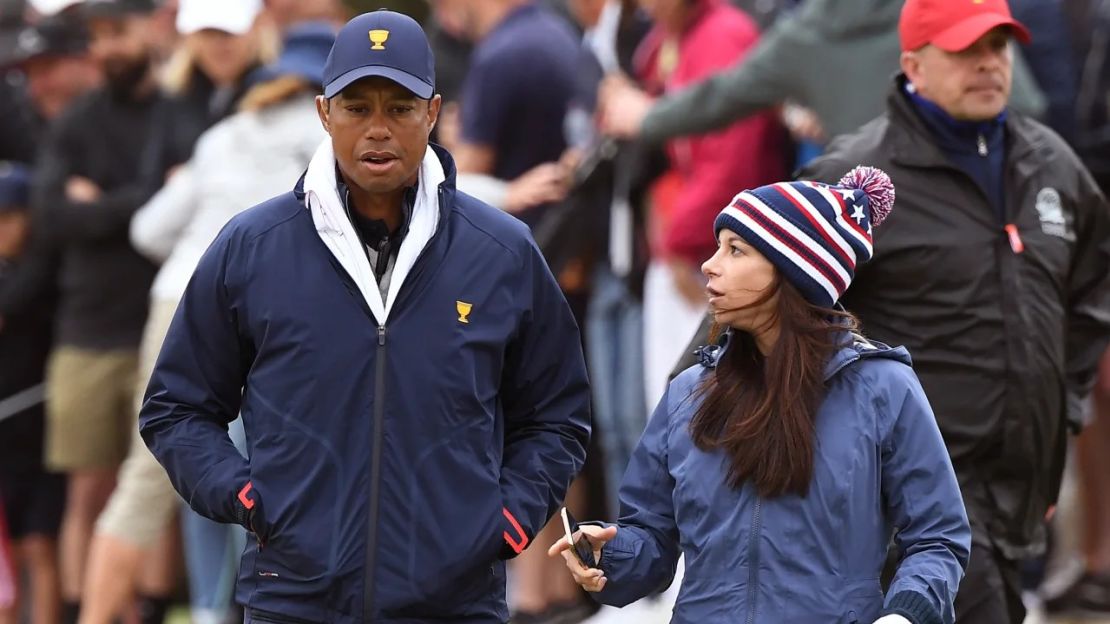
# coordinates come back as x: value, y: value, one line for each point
x: 410, y: 377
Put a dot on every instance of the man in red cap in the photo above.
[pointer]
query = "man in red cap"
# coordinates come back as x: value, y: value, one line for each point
x: 994, y: 271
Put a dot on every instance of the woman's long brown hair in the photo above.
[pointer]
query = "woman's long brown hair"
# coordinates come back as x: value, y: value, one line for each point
x: 761, y: 410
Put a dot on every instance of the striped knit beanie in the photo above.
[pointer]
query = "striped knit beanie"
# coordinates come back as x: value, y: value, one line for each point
x: 814, y: 234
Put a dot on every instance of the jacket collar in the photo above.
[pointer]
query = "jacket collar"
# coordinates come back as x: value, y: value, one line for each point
x: 912, y: 144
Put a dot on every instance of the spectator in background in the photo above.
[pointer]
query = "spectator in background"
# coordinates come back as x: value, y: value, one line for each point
x: 515, y: 98
x: 204, y: 79
x: 237, y: 164
x: 85, y: 194
x: 31, y: 499
x: 1088, y: 592
x: 994, y: 272
x: 691, y: 40
x: 826, y: 56
x: 52, y: 66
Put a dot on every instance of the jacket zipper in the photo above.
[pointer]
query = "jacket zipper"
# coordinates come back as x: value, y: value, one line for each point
x: 376, y: 440
x: 753, y: 559
x: 983, y: 151
x: 375, y: 472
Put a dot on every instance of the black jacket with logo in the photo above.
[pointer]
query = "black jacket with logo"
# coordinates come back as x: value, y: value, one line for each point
x: 1005, y: 320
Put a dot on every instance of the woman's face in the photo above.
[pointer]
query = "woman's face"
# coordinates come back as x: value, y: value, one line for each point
x: 223, y: 57
x: 739, y: 277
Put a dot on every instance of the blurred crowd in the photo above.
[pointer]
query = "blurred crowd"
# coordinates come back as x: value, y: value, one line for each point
x: 132, y: 130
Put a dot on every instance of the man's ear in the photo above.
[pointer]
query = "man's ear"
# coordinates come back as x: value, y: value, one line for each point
x: 434, y: 106
x: 911, y: 66
x: 323, y: 109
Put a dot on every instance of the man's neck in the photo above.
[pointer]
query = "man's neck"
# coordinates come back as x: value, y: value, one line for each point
x: 377, y: 206
x: 494, y: 15
x: 385, y: 207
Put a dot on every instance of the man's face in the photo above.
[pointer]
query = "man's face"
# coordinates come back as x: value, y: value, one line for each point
x: 379, y: 131
x: 970, y: 85
x: 55, y: 81
x: 120, y: 46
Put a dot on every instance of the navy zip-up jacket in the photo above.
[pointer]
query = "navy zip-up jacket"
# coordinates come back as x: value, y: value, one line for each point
x: 392, y: 467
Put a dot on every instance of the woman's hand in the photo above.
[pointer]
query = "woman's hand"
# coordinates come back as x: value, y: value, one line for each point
x: 590, y: 579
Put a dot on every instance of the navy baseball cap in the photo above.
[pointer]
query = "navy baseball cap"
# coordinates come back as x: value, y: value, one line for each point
x: 381, y: 43
x: 15, y: 186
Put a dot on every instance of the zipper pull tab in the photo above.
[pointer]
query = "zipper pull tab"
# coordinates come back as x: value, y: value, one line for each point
x: 1015, y: 238
x: 982, y: 145
x: 381, y: 335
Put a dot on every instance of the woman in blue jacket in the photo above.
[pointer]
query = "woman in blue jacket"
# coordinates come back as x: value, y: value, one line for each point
x: 782, y: 465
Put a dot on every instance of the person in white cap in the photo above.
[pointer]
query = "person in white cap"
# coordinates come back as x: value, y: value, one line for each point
x: 204, y: 79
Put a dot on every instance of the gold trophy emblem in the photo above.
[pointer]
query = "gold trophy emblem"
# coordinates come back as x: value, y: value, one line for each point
x: 378, y: 37
x: 463, y: 309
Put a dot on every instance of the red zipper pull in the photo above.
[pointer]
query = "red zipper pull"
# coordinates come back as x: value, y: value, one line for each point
x: 1015, y: 238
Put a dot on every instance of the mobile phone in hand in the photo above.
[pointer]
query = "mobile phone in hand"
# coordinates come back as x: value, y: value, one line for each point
x: 582, y: 549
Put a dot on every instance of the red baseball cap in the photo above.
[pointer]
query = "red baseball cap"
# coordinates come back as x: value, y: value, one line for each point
x: 953, y: 25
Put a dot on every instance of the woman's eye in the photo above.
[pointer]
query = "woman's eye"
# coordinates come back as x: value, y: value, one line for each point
x: 735, y: 251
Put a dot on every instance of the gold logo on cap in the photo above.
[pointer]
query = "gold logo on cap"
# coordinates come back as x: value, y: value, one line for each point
x: 378, y: 37
x: 463, y: 308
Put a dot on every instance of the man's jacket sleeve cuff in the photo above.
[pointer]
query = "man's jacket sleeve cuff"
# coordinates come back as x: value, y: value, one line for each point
x: 515, y: 538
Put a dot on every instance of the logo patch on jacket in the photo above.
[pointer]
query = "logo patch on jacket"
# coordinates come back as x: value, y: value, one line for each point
x: 1051, y: 211
x: 463, y: 308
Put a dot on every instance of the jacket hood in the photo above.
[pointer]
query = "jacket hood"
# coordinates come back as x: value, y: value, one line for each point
x: 855, y: 348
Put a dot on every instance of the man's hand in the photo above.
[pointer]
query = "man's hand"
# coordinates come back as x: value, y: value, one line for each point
x: 687, y: 281
x: 590, y: 579
x: 802, y: 124
x: 540, y: 185
x: 83, y: 190
x: 622, y: 107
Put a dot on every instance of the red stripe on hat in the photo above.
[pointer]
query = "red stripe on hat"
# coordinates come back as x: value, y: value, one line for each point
x: 817, y: 226
x: 797, y: 246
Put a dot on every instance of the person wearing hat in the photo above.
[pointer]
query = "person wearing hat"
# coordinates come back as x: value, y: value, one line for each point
x: 203, y: 79
x: 410, y: 378
x: 994, y: 272
x: 782, y: 461
x: 236, y: 164
x: 52, y: 57
x: 31, y: 498
x: 86, y: 190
